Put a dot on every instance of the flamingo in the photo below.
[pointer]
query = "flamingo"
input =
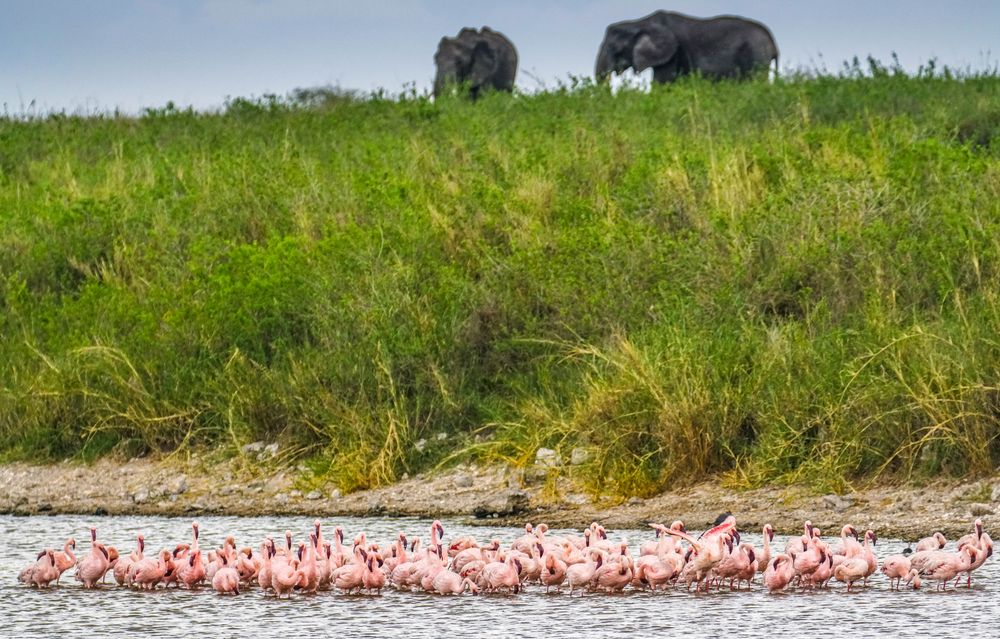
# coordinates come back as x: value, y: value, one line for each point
x: 285, y: 576
x: 190, y: 570
x: 896, y: 567
x: 503, y: 575
x: 581, y: 574
x: 373, y: 578
x: 450, y: 583
x: 65, y: 559
x: 779, y: 573
x: 553, y: 571
x: 764, y: 556
x: 936, y: 541
x: 124, y: 564
x: 851, y: 570
x: 92, y: 568
x: 43, y: 572
x: 148, y: 572
x: 226, y: 580
x: 985, y: 548
x: 944, y: 566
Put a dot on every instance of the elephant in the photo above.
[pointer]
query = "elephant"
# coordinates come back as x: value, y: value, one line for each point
x: 482, y: 60
x: 675, y: 45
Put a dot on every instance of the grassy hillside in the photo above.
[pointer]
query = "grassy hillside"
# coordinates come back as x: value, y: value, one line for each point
x: 787, y: 282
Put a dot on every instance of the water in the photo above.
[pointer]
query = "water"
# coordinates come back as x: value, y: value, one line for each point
x: 70, y: 611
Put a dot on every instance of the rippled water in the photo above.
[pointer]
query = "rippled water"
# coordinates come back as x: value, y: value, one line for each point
x: 70, y: 611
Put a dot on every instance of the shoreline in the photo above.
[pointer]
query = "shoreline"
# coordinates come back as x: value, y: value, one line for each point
x: 495, y: 496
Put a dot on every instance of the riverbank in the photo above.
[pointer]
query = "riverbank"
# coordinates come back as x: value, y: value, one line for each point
x: 477, y: 494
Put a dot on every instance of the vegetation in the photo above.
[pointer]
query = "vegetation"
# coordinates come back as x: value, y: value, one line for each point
x: 797, y: 281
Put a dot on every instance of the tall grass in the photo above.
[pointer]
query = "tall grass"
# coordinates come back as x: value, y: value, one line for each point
x: 794, y: 281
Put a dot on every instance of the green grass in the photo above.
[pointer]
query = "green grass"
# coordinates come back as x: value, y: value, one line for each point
x: 794, y: 282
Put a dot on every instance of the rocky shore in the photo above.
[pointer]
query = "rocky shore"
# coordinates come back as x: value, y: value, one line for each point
x: 486, y: 495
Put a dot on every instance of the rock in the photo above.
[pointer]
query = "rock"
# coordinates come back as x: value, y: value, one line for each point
x: 375, y: 506
x: 313, y: 495
x: 504, y: 503
x: 227, y: 490
x: 515, y: 479
x: 534, y: 475
x: 336, y: 494
x: 838, y: 502
x: 178, y: 485
x: 255, y: 447
x: 295, y: 494
x: 577, y: 499
x: 463, y: 480
x: 579, y: 456
x: 281, y: 498
x: 636, y: 501
x: 269, y: 451
x: 980, y: 510
x: 996, y: 493
x: 140, y: 496
x: 547, y: 457
x: 420, y: 445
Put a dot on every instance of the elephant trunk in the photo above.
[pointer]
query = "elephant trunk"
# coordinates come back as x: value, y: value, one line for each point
x: 604, y: 66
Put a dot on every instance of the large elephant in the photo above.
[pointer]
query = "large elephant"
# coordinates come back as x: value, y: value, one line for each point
x: 481, y: 60
x: 674, y: 44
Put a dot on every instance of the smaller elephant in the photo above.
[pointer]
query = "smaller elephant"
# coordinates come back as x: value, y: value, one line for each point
x: 675, y: 45
x: 481, y: 60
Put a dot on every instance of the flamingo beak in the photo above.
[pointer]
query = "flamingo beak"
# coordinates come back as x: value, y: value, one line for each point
x: 736, y: 534
x: 751, y: 555
x: 402, y: 538
x: 770, y: 533
x: 518, y: 564
x: 854, y: 533
x: 440, y: 530
x: 989, y: 551
x: 340, y: 535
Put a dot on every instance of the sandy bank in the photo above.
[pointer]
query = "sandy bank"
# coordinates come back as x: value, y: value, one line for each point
x: 174, y: 488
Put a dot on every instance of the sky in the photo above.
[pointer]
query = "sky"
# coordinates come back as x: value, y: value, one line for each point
x: 100, y: 55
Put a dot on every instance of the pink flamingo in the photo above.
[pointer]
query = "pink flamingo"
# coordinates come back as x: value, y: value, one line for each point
x: 403, y: 574
x: 265, y: 574
x: 190, y: 570
x: 284, y: 576
x: 432, y: 566
x: 226, y: 580
x: 147, y: 573
x: 447, y: 582
x: 92, y: 568
x: 851, y: 570
x: 869, y: 554
x: 553, y: 571
x: 779, y: 573
x: 972, y: 538
x: 764, y: 556
x: 502, y: 575
x: 124, y: 565
x: 896, y: 567
x: 944, y: 566
x: 373, y: 578
x: 936, y: 541
x: 351, y: 576
x: 985, y: 551
x: 65, y: 559
x: 707, y: 552
x: 613, y: 577
x: 580, y: 575
x: 41, y: 573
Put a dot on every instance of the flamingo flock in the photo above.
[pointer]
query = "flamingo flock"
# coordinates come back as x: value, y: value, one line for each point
x: 587, y: 562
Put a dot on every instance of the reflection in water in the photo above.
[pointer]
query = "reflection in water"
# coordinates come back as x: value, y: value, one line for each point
x: 70, y: 611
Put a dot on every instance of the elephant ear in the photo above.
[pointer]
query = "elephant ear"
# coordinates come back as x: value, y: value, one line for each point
x: 484, y: 64
x: 654, y: 48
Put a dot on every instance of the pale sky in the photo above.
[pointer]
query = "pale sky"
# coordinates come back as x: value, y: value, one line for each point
x: 90, y: 55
